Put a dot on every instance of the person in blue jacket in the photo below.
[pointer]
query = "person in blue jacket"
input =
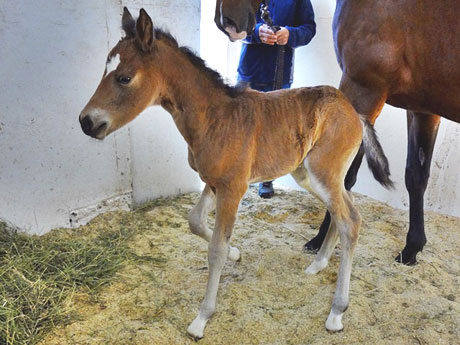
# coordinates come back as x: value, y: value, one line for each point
x: 259, y: 52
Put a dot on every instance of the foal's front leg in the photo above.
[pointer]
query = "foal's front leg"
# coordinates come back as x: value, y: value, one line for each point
x: 227, y: 207
x: 198, y: 220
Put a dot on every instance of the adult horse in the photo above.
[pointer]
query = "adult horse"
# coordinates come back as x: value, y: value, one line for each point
x: 404, y: 53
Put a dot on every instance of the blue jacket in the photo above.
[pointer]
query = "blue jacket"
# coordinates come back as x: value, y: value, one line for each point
x: 258, y: 61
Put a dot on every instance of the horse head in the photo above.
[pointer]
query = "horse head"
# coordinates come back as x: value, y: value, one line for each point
x: 129, y: 83
x: 236, y: 18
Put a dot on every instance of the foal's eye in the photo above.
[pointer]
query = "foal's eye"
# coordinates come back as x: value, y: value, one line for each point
x: 122, y: 79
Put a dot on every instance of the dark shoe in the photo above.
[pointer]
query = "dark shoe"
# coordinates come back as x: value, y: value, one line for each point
x: 266, y: 190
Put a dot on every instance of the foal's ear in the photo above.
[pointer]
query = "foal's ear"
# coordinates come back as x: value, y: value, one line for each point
x: 128, y: 24
x: 144, y: 30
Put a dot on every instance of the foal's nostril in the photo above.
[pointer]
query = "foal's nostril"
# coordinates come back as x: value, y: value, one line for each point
x: 91, y: 128
x: 86, y: 124
x: 101, y: 127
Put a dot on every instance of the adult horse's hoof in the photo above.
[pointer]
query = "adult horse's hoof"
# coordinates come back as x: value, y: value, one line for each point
x: 407, y: 257
x: 313, y: 245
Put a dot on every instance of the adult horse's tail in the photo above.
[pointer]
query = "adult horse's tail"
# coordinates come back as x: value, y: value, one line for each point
x: 376, y: 159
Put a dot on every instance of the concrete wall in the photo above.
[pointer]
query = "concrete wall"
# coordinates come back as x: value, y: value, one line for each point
x: 316, y: 64
x: 52, y: 57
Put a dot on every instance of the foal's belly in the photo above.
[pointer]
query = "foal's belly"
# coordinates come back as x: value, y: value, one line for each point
x: 276, y: 165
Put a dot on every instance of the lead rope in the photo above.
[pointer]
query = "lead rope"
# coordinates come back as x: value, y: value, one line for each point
x: 279, y: 69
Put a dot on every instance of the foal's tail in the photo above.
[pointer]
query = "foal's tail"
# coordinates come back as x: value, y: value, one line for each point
x: 376, y: 159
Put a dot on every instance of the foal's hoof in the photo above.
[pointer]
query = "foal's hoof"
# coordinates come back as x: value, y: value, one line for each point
x: 234, y: 254
x: 196, y: 329
x: 316, y: 266
x: 193, y: 337
x: 334, y: 322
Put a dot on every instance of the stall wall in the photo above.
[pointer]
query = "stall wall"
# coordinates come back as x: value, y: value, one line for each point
x: 316, y: 64
x: 52, y: 55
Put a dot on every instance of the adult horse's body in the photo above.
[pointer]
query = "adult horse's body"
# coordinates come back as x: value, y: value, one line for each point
x: 236, y: 137
x: 405, y: 53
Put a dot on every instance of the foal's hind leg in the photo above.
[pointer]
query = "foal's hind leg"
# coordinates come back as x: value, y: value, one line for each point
x: 311, y: 183
x: 368, y: 102
x: 350, y: 179
x: 328, y: 246
x: 326, y: 182
x: 198, y: 220
x: 348, y: 221
x: 324, y: 254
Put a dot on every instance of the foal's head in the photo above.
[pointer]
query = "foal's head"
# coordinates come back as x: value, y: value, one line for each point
x: 130, y: 82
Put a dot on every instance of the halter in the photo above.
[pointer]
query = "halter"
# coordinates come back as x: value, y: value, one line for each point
x: 279, y: 70
x: 266, y: 17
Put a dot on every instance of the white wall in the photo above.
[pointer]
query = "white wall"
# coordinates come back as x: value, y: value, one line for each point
x: 52, y: 55
x: 316, y: 64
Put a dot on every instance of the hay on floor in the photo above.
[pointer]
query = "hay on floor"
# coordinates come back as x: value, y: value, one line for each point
x: 266, y: 298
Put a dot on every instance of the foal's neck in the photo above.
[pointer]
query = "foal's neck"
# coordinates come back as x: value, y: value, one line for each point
x: 188, y: 92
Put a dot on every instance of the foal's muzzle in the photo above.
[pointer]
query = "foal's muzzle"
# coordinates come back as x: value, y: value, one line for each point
x: 95, y: 130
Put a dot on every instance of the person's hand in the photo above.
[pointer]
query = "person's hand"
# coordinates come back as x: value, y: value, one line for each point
x: 266, y: 35
x: 282, y: 36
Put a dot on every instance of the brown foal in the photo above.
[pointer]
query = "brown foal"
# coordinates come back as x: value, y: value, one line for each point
x: 236, y: 137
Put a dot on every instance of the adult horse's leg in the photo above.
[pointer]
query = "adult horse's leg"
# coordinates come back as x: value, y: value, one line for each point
x: 228, y: 199
x: 198, y: 220
x: 369, y: 103
x: 422, y: 131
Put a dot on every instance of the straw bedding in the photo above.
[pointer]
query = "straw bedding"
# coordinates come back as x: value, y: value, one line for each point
x: 266, y: 298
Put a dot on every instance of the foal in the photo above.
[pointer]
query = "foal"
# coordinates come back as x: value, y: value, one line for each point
x: 237, y: 137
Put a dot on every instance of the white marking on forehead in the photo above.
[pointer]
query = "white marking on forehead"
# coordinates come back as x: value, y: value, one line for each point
x: 112, y: 64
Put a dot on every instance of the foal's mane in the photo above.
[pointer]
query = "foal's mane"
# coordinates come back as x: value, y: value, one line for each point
x: 214, y: 76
